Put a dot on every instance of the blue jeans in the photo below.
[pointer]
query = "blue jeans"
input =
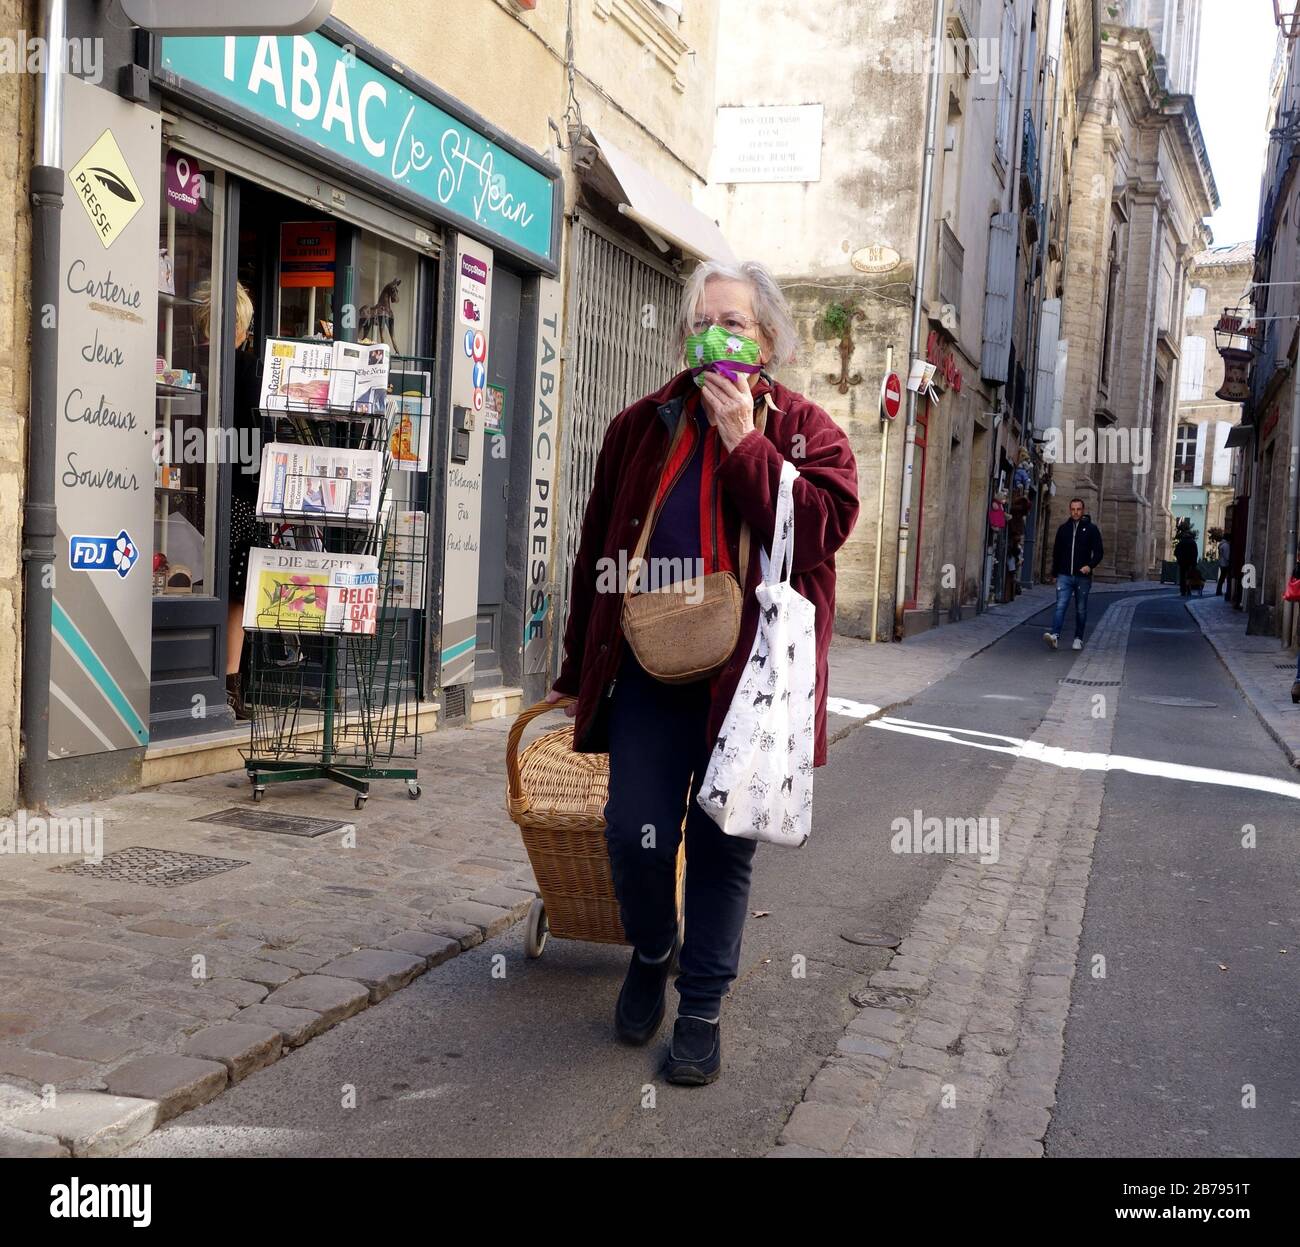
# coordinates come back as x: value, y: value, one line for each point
x: 657, y: 758
x: 1075, y: 587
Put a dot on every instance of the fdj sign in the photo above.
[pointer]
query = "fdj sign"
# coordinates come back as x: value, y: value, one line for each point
x: 103, y: 554
x: 323, y: 94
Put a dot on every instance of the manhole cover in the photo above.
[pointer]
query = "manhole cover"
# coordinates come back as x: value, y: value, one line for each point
x: 269, y: 820
x: 1178, y: 701
x: 872, y: 939
x: 1091, y: 683
x: 156, y: 868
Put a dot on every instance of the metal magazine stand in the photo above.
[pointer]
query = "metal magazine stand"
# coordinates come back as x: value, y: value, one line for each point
x: 328, y: 701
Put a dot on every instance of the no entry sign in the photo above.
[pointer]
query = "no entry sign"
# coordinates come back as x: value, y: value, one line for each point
x: 891, y: 395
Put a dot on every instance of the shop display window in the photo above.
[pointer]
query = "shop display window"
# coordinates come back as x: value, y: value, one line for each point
x: 187, y: 444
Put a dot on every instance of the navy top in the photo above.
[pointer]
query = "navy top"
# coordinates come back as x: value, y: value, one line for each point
x: 676, y: 533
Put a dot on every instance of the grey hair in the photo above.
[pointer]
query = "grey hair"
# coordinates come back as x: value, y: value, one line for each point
x: 770, y: 307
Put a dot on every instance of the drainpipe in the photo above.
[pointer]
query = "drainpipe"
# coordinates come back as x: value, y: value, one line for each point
x: 39, y: 522
x: 920, y: 274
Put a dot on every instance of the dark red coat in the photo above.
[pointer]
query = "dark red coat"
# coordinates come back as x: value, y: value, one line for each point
x: 627, y: 472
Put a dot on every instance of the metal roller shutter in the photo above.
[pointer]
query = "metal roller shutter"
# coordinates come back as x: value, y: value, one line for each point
x: 614, y: 357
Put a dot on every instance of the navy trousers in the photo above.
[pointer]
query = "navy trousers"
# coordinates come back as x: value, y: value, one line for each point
x: 657, y: 759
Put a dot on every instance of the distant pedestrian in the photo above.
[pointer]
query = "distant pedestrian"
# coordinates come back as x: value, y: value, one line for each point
x: 1293, y: 595
x: 1224, y: 585
x: 1185, y: 554
x: 1075, y: 554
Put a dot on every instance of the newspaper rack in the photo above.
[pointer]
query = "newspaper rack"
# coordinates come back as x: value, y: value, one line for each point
x: 332, y: 686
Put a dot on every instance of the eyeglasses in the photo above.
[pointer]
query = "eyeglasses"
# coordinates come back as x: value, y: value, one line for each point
x: 732, y: 322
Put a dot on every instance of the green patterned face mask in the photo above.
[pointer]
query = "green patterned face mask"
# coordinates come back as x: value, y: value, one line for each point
x: 731, y: 354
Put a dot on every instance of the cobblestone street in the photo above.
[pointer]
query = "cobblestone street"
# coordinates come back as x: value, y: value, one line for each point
x: 142, y: 1003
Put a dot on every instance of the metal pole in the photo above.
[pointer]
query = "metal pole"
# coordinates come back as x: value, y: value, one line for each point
x: 40, y: 524
x: 880, y: 501
x: 920, y: 273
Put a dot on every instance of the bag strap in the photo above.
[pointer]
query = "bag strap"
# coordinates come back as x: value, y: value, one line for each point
x: 782, y: 557
x: 634, y: 565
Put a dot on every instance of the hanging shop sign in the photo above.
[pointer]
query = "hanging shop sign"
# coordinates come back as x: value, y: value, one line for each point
x: 307, y: 254
x: 316, y: 92
x: 1236, y: 375
x: 104, y: 440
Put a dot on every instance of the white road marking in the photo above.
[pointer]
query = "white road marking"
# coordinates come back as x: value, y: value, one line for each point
x: 851, y: 709
x: 1074, y: 759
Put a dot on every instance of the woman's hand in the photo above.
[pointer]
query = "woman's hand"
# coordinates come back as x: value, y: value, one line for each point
x: 729, y: 406
x: 554, y: 695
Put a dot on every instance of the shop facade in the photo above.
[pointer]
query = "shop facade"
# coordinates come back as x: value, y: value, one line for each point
x: 288, y: 187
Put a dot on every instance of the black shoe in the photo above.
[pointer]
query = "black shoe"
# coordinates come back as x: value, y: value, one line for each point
x: 695, y: 1054
x: 640, y: 1007
x: 1295, y: 693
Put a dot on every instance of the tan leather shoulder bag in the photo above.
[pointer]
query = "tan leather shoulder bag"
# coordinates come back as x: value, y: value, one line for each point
x: 684, y: 631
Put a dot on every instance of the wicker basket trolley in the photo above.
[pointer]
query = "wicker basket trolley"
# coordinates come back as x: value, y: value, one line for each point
x: 557, y: 797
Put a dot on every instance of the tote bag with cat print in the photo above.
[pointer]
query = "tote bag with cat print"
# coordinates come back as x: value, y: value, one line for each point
x: 759, y: 781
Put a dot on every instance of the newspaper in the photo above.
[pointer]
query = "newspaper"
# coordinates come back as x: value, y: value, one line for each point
x: 296, y: 375
x: 326, y: 482
x: 359, y: 378
x: 309, y: 591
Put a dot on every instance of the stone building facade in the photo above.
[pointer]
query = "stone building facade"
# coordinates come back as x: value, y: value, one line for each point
x: 1141, y: 186
x: 17, y: 99
x: 1005, y: 132
x: 1202, y: 491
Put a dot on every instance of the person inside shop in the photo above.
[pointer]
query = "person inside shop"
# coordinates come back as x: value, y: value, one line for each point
x: 243, y: 475
x: 731, y: 428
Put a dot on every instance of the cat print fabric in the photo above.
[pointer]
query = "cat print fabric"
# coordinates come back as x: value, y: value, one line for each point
x: 759, y: 781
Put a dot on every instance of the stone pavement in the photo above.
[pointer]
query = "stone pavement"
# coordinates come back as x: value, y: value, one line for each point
x: 1260, y: 666
x: 958, y: 1047
x: 125, y: 1004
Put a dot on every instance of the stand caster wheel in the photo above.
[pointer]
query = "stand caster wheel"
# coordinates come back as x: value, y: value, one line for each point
x: 359, y: 801
x: 412, y: 789
x: 259, y: 791
x: 536, y: 930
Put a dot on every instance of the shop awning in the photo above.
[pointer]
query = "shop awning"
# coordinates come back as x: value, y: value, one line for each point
x: 662, y: 213
x: 1239, y: 435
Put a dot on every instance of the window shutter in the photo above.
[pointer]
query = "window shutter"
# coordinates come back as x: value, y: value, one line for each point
x: 1045, y: 382
x: 1221, y: 465
x: 1191, y: 384
x: 998, y: 289
x: 1198, y: 472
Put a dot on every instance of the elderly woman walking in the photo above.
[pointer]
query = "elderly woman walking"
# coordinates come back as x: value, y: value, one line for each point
x: 699, y: 461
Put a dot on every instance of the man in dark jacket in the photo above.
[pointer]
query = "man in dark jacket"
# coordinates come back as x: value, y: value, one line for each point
x: 1077, y: 551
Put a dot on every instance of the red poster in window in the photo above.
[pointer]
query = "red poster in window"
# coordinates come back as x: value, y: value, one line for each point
x: 307, y: 251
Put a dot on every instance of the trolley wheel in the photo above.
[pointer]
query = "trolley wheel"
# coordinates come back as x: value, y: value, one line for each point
x: 535, y: 930
x: 412, y: 789
x: 259, y: 791
x: 359, y: 801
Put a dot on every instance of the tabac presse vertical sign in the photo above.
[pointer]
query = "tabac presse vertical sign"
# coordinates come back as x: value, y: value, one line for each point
x: 108, y: 326
x: 541, y: 507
